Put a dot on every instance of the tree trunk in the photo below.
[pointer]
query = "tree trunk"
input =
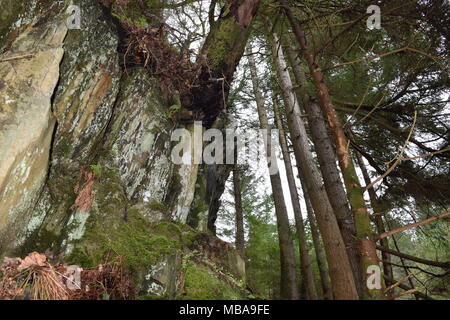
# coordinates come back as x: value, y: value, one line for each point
x: 305, y: 263
x: 240, y: 239
x: 355, y: 196
x: 320, y: 254
x: 330, y: 172
x: 317, y: 242
x: 219, y: 56
x: 342, y: 280
x: 387, y: 268
x: 289, y: 289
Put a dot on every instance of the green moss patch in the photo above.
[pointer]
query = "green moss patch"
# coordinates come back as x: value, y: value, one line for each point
x: 139, y: 242
x: 202, y: 284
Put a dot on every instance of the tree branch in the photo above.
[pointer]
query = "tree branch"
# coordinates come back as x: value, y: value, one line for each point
x: 444, y: 265
x: 412, y: 225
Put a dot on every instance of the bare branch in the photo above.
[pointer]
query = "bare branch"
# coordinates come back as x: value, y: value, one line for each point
x: 412, y: 225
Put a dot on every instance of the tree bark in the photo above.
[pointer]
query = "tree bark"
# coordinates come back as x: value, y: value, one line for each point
x: 219, y: 57
x: 305, y: 263
x: 240, y: 238
x: 342, y: 280
x: 354, y: 193
x: 321, y: 259
x: 330, y: 172
x: 288, y: 286
x: 320, y: 254
x: 387, y: 268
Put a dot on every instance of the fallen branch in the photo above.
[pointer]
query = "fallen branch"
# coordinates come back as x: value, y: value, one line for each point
x: 411, y: 291
x: 412, y: 225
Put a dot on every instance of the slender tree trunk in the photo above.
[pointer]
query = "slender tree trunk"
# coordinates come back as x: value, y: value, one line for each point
x: 330, y: 172
x: 240, y: 238
x: 320, y: 254
x: 342, y: 280
x: 305, y: 264
x: 317, y: 242
x: 355, y: 196
x: 289, y: 288
x: 387, y: 268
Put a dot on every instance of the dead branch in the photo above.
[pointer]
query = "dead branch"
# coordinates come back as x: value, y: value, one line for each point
x: 444, y: 265
x: 407, y: 288
x: 398, y: 159
x: 412, y: 225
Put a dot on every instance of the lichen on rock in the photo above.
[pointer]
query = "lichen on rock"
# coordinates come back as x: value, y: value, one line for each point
x: 88, y: 173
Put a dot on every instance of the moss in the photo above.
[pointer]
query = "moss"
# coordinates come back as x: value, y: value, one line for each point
x: 153, y: 297
x: 38, y: 240
x: 140, y: 243
x: 222, y: 46
x: 202, y: 284
x: 132, y: 12
x: 63, y: 147
x: 157, y: 206
x: 82, y: 258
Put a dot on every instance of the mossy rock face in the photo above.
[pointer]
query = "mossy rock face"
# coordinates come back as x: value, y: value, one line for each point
x: 221, y: 252
x: 140, y: 243
x: 15, y: 16
x: 112, y: 127
x: 139, y: 139
x: 159, y: 256
x: 203, y: 284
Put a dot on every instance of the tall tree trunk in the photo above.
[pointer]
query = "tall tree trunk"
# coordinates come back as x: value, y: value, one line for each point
x: 320, y: 254
x: 317, y: 241
x: 362, y: 221
x: 305, y: 263
x: 342, y: 280
x: 378, y: 211
x: 330, y: 172
x: 289, y: 288
x: 240, y: 239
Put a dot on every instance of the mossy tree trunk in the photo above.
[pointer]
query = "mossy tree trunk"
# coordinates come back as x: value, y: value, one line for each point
x: 378, y: 212
x: 330, y: 171
x: 219, y: 56
x: 342, y: 280
x: 361, y: 217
